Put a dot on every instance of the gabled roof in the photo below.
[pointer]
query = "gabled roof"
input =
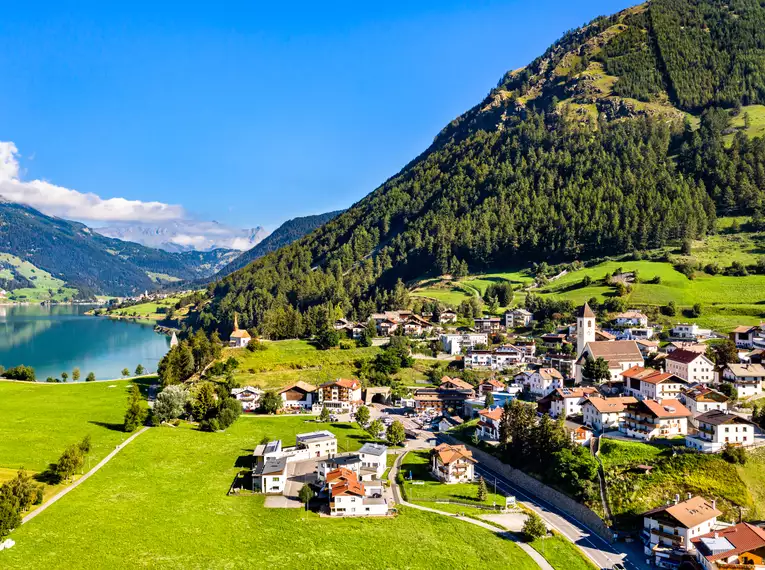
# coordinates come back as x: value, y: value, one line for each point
x: 493, y: 413
x: 684, y: 356
x: 348, y: 487
x: 690, y: 513
x: 631, y: 315
x: 299, y: 385
x: 664, y: 409
x: 351, y: 384
x: 450, y: 453
x: 603, y: 335
x: 744, y: 329
x: 702, y: 394
x: 720, y: 417
x: 341, y: 473
x: 615, y: 352
x: 743, y: 537
x: 550, y: 374
x: 610, y: 405
x: 493, y: 382
x: 578, y: 393
x: 461, y: 384
x: 747, y: 370
x: 240, y: 334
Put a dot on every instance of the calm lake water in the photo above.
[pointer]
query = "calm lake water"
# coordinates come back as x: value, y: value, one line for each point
x: 59, y: 338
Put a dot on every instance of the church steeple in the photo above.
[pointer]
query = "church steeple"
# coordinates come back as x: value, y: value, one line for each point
x: 585, y: 328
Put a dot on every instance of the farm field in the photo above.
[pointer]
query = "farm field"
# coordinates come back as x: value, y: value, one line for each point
x: 162, y: 503
x: 756, y: 122
x: 40, y: 420
x: 155, y: 310
x: 47, y: 287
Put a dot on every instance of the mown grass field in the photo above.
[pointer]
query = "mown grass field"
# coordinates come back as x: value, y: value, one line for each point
x: 756, y: 122
x: 162, y: 503
x: 149, y: 310
x: 562, y: 554
x: 44, y: 282
x: 39, y: 420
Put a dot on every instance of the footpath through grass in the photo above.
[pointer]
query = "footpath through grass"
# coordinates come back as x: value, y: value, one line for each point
x: 162, y: 503
x: 40, y: 420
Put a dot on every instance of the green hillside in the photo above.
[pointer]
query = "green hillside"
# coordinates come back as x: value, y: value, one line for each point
x: 25, y: 282
x: 624, y: 136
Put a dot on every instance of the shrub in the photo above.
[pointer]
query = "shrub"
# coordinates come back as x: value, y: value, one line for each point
x: 534, y: 527
x: 734, y: 455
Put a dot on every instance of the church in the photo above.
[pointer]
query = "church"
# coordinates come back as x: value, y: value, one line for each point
x: 621, y: 355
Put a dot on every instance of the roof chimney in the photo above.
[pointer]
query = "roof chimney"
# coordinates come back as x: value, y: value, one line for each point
x: 689, y: 496
x: 714, y: 503
x: 677, y: 499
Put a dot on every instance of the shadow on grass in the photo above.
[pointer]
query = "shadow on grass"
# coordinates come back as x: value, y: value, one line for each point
x: 244, y: 461
x: 108, y: 425
x: 49, y: 476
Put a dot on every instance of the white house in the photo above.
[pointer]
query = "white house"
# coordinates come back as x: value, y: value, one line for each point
x: 488, y: 425
x: 746, y: 378
x: 368, y: 463
x: 271, y: 475
x: 668, y: 530
x: 701, y: 400
x: 718, y: 429
x: 238, y: 338
x: 341, y: 396
x: 452, y: 464
x: 691, y: 366
x: 649, y: 419
x: 651, y: 384
x: 567, y: 402
x: 349, y: 497
x: 743, y: 336
x: 454, y: 343
x: 498, y: 359
x: 699, y: 347
x: 249, y: 396
x: 447, y: 317
x: 631, y: 319
x: 689, y: 331
x: 318, y: 443
x: 487, y: 324
x: 603, y: 414
x: 518, y: 318
x: 298, y: 396
x: 541, y: 382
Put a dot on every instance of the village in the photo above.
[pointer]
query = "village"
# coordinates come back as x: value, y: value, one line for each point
x: 618, y: 377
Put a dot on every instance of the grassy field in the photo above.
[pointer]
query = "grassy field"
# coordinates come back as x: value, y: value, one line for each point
x: 288, y: 361
x: 47, y: 287
x: 416, y: 464
x: 756, y: 122
x: 632, y: 492
x: 39, y: 420
x: 162, y: 503
x: 149, y: 310
x: 753, y: 476
x: 562, y: 554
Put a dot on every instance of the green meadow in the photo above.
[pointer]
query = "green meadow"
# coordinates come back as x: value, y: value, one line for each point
x: 162, y: 503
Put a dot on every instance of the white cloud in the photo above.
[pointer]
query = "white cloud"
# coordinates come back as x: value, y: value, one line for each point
x: 66, y: 203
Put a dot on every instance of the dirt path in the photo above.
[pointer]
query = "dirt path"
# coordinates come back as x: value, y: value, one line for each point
x: 82, y: 479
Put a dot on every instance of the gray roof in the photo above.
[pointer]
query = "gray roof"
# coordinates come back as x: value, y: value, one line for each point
x: 374, y: 449
x: 315, y: 436
x: 339, y: 460
x: 272, y: 466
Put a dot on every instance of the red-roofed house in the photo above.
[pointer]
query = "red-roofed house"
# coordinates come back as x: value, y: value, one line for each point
x: 651, y: 384
x: 488, y: 425
x: 648, y: 419
x: 602, y: 414
x: 738, y: 546
x: 349, y: 497
x: 691, y: 366
x: 568, y: 402
x: 452, y: 463
x: 490, y: 385
x: 341, y: 396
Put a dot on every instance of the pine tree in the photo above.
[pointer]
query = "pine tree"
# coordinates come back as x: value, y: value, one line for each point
x: 483, y: 493
x: 136, y: 413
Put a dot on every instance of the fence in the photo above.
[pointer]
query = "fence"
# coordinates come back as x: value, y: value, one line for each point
x: 541, y: 491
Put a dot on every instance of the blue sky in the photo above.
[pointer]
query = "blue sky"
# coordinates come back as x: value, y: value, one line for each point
x: 251, y: 113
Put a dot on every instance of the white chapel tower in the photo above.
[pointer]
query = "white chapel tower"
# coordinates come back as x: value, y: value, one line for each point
x: 585, y: 328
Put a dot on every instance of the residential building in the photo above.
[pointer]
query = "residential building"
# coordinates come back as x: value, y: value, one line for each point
x: 299, y: 395
x: 631, y: 319
x: 341, y: 396
x: 554, y: 340
x: 581, y: 435
x: 620, y: 355
x: 447, y: 317
x: 647, y: 347
x: 271, y: 476
x: 700, y: 400
x: 488, y: 425
x: 738, y: 546
x: 638, y: 333
x: 689, y: 331
x: 698, y: 347
x: 746, y: 378
x: 498, y: 359
x: 691, y: 366
x: 368, y: 463
x: 649, y: 419
x: 604, y: 414
x: 455, y: 343
x: 517, y: 318
x: 563, y: 363
x: 527, y: 345
x: 651, y: 384
x: 249, y: 396
x: 668, y: 530
x: 567, y: 402
x: 718, y: 428
x: 318, y: 443
x: 491, y: 385
x: 416, y: 326
x: 488, y: 324
x: 743, y: 336
x: 452, y: 464
x: 451, y: 394
x: 541, y: 382
x: 350, y: 497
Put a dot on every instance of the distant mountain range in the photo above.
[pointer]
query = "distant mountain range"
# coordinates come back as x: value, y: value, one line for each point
x: 285, y: 234
x: 186, y: 235
x: 92, y: 263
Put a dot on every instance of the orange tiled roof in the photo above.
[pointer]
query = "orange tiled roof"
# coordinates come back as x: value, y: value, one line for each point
x: 493, y: 414
x: 451, y: 453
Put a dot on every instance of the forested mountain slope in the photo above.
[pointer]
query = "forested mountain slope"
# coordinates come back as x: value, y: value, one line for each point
x: 92, y: 263
x: 612, y: 141
x: 285, y: 234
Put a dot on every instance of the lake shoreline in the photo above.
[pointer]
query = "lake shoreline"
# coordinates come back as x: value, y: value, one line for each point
x: 73, y: 383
